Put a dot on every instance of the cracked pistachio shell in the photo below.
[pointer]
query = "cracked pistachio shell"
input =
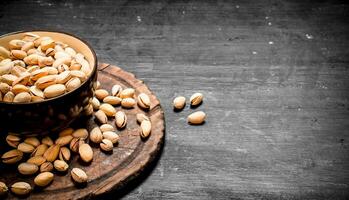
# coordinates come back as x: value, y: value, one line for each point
x: 196, y: 99
x: 21, y: 188
x: 143, y: 101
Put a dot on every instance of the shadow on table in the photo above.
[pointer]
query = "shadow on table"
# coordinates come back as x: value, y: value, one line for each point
x: 135, y: 182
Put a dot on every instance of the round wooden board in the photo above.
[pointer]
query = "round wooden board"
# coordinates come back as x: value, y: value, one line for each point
x: 107, y: 171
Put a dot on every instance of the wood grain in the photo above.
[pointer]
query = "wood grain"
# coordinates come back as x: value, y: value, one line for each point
x: 107, y: 171
x: 277, y: 114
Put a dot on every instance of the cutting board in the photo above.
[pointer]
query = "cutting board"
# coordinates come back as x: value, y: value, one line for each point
x: 107, y: 171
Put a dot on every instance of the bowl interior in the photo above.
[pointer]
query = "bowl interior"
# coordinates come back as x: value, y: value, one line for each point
x: 78, y: 45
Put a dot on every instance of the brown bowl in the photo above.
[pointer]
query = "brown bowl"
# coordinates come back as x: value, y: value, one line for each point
x: 51, y: 115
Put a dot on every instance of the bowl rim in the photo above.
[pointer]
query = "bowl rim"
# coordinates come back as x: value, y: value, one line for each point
x: 65, y: 33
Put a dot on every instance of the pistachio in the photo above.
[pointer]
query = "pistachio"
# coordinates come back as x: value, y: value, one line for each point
x: 4, y: 52
x: 46, y: 167
x: 116, y: 90
x: 27, y: 168
x: 60, y: 165
x: 112, y: 100
x: 127, y: 93
x: 143, y: 101
x: 50, y: 52
x: 108, y: 109
x: 101, y: 94
x: 45, y: 61
x: 38, y: 41
x: 85, y: 66
x: 32, y: 141
x: 146, y: 128
x: 196, y: 99
x: 106, y: 145
x: 3, y: 189
x: 6, y: 67
x: 36, y: 91
x: 75, y: 66
x: 74, y: 145
x: 54, y: 90
x: 70, y: 51
x: 96, y: 135
x: 52, y: 153
x: 140, y: 117
x: 32, y: 59
x: 63, y: 77
x: 19, y: 88
x: 16, y: 44
x: 30, y: 37
x: 78, y: 175
x: 62, y: 68
x: 72, y: 84
x: 43, y: 179
x: 21, y: 188
x: 36, y: 160
x: 86, y: 153
x: 179, y: 103
x: 25, y: 148
x: 8, y: 78
x: 112, y: 136
x: 88, y: 110
x: 45, y: 81
x: 46, y: 44
x: 40, y: 150
x: 101, y: 117
x: 9, y: 96
x: 120, y: 119
x: 47, y: 140
x: 64, y: 140
x: 18, y: 54
x: 78, y: 74
x: 13, y: 140
x: 64, y: 154
x: 23, y: 79
x: 106, y: 127
x: 128, y: 102
x: 4, y: 88
x: 197, y: 117
x: 37, y: 74
x: 80, y: 133
x: 61, y: 54
x: 12, y: 156
x: 51, y: 70
x: 36, y: 99
x: 27, y: 46
x: 97, y: 85
x: 65, y: 132
x: 95, y: 103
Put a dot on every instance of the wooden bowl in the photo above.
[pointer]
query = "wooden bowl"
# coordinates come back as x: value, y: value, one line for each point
x: 50, y: 115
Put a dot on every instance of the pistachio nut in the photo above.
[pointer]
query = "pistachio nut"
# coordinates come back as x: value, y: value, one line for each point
x: 21, y: 188
x: 96, y: 135
x: 101, y: 117
x: 60, y: 165
x: 36, y: 160
x: 32, y: 141
x: 13, y: 140
x: 25, y: 148
x: 145, y: 128
x: 120, y: 119
x: 9, y: 96
x: 64, y: 154
x: 112, y: 100
x: 45, y: 81
x: 80, y: 133
x: 140, y: 117
x: 85, y: 152
x: 4, y: 88
x: 47, y: 140
x: 116, y: 90
x: 43, y: 179
x: 112, y: 136
x: 106, y: 145
x: 19, y: 88
x: 78, y: 74
x: 46, y: 167
x: 179, y: 103
x: 143, y: 101
x: 64, y: 140
x: 54, y: 90
x: 74, y: 145
x: 196, y: 99
x: 128, y: 103
x: 108, y: 109
x: 63, y: 77
x: 72, y: 84
x: 95, y: 103
x: 127, y: 93
x: 78, y: 175
x: 27, y: 168
x: 40, y: 150
x: 3, y: 189
x: 52, y: 152
x: 65, y: 132
x: 101, y: 94
x: 106, y: 127
x: 197, y: 117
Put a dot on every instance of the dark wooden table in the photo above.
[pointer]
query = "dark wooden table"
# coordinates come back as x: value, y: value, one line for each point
x: 275, y: 79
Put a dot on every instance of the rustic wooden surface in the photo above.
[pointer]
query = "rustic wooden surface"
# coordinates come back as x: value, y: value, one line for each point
x: 112, y: 170
x: 275, y: 78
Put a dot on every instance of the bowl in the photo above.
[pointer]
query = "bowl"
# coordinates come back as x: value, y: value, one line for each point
x: 55, y: 114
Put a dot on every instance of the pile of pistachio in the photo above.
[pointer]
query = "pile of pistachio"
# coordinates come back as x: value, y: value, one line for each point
x: 196, y: 99
x: 41, y: 157
x: 35, y: 68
